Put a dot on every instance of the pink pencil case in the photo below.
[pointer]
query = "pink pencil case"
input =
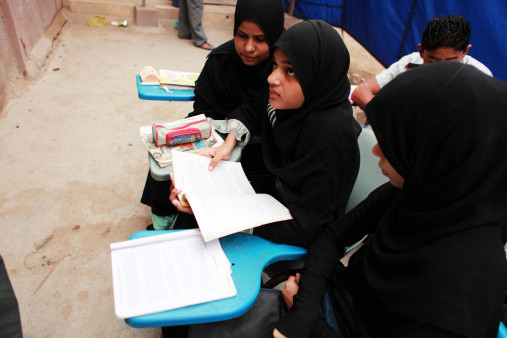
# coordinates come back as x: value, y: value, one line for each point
x: 183, y: 132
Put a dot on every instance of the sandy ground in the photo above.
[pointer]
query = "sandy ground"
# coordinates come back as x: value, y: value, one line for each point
x: 73, y: 169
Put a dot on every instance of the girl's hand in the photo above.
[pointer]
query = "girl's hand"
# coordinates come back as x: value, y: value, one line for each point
x: 290, y: 290
x: 222, y: 152
x: 173, y: 198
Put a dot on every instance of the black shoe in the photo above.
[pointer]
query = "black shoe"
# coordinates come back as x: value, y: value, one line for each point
x: 150, y: 227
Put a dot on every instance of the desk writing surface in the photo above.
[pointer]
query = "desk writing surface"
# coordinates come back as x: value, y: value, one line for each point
x: 248, y: 255
x: 154, y: 92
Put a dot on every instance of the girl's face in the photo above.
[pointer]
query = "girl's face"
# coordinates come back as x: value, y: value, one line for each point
x: 251, y: 44
x: 387, y: 169
x: 285, y: 92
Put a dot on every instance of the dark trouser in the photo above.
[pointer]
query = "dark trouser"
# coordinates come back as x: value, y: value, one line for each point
x: 10, y: 322
x: 190, y: 21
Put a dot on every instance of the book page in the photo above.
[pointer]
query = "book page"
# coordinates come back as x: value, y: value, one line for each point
x: 223, y: 201
x: 161, y: 274
x: 242, y: 211
x: 191, y: 174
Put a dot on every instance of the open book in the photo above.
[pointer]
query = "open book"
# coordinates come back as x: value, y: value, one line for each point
x: 169, y: 271
x: 163, y: 154
x: 223, y: 201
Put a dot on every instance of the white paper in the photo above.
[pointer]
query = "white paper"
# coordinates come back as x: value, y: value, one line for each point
x: 160, y: 273
x: 223, y: 201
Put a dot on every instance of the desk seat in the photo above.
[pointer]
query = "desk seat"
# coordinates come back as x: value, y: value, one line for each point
x: 248, y: 255
x: 155, y: 93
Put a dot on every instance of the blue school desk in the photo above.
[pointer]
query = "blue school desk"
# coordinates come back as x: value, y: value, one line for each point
x: 248, y: 255
x: 154, y: 92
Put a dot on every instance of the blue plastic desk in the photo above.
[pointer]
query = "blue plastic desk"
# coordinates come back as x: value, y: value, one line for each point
x: 248, y: 255
x: 154, y: 92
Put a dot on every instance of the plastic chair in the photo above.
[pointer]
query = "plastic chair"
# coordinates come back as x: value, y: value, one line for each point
x: 248, y: 255
x: 502, y: 332
x: 369, y: 177
x: 155, y: 93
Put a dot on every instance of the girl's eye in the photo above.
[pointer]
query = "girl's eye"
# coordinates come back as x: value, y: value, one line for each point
x: 290, y: 72
x: 261, y: 39
x: 275, y: 65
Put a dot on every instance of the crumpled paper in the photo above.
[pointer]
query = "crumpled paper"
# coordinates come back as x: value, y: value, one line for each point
x: 98, y: 21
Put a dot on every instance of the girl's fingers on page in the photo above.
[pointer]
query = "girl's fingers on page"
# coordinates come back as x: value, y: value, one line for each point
x: 209, y: 152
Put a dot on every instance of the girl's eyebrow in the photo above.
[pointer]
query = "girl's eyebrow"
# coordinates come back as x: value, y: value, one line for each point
x: 285, y: 62
x: 260, y: 35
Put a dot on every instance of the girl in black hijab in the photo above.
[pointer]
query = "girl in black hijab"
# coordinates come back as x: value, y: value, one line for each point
x: 309, y: 135
x: 434, y: 265
x: 229, y: 79
x: 233, y: 76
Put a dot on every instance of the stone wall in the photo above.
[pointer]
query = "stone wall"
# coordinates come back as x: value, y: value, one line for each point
x: 27, y: 29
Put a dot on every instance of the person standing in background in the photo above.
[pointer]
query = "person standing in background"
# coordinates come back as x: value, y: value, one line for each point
x: 190, y: 23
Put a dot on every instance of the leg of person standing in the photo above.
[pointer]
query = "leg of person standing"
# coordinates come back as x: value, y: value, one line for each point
x: 190, y: 23
x: 183, y: 23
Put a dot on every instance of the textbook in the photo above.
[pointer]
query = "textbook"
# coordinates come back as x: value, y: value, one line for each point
x: 223, y: 201
x: 184, y: 80
x: 169, y: 271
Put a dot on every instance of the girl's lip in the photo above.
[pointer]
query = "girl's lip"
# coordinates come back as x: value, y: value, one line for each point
x: 272, y: 93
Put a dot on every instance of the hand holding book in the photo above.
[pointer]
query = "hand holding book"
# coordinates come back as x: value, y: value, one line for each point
x: 182, y: 205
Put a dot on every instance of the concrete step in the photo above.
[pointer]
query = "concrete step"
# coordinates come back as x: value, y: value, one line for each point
x: 166, y: 11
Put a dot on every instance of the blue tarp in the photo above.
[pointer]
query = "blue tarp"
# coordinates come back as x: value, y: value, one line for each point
x: 390, y: 29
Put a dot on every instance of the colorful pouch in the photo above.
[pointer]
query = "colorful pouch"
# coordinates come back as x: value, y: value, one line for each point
x: 169, y: 134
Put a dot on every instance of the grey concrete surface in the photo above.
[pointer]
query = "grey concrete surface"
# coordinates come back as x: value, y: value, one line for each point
x: 73, y: 170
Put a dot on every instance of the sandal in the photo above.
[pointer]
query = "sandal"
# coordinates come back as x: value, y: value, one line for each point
x: 206, y: 46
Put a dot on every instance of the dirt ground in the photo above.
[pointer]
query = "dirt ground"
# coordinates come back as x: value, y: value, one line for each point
x: 73, y: 168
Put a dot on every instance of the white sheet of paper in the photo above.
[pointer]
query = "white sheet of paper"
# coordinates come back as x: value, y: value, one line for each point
x: 169, y: 271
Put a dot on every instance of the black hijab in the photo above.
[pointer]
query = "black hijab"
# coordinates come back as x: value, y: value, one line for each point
x: 313, y: 149
x: 226, y: 83
x: 437, y: 256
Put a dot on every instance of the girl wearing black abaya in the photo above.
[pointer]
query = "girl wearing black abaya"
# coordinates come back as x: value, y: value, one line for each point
x: 309, y: 142
x: 434, y: 265
x: 233, y: 77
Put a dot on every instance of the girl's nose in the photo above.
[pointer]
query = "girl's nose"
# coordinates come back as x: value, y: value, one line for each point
x: 250, y: 45
x: 273, y: 78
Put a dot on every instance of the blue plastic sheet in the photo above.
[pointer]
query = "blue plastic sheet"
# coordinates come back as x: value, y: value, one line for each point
x: 390, y: 29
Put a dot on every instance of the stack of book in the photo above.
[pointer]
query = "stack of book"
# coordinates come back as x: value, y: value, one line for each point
x: 163, y: 154
x: 168, y: 79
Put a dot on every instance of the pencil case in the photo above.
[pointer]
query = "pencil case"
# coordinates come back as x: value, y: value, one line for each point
x: 171, y: 134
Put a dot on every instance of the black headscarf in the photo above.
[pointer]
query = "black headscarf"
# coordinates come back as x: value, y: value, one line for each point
x: 313, y: 149
x: 226, y: 84
x: 437, y: 256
